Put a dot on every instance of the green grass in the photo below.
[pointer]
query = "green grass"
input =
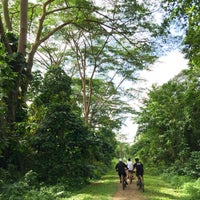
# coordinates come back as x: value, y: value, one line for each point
x: 101, y: 190
x: 165, y: 187
x: 157, y: 188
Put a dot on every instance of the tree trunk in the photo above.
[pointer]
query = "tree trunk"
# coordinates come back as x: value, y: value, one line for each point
x: 23, y: 27
x: 6, y: 15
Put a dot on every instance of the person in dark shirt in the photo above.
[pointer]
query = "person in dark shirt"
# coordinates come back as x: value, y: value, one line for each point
x: 121, y: 169
x: 139, y: 168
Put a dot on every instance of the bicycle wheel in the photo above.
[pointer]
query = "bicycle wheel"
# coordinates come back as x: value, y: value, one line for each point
x: 130, y: 177
x: 123, y: 182
x: 142, y: 187
x: 140, y: 184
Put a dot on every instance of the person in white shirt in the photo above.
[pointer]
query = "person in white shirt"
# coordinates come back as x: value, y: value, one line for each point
x: 130, y: 170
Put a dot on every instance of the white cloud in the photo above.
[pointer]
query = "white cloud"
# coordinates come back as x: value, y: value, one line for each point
x: 162, y: 71
x: 165, y: 68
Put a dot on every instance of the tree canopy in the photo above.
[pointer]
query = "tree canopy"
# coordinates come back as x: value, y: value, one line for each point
x: 64, y: 66
x: 168, y: 133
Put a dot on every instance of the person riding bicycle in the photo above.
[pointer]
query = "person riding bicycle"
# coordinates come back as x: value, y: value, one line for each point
x: 139, y: 169
x: 130, y: 168
x: 121, y: 169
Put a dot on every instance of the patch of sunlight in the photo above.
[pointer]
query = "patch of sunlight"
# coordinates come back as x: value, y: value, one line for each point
x: 170, y: 193
x: 105, y: 181
x: 80, y: 197
x: 87, y: 197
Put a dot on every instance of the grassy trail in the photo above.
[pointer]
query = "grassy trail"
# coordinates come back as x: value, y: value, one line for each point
x: 171, y: 188
x: 98, y: 190
x: 156, y: 188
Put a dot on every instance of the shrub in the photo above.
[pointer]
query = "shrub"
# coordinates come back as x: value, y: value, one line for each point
x: 193, y: 189
x: 14, y: 191
x: 193, y: 165
x: 21, y: 190
x: 176, y: 180
x: 4, y: 175
x: 31, y: 178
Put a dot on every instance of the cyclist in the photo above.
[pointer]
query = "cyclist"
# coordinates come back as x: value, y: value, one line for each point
x: 120, y: 168
x: 130, y: 169
x: 139, y: 169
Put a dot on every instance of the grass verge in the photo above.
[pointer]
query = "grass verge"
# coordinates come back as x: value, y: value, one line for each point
x: 102, y: 189
x: 169, y: 188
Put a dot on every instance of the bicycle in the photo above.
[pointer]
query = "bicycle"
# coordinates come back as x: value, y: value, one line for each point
x: 130, y: 176
x: 123, y: 182
x: 140, y: 183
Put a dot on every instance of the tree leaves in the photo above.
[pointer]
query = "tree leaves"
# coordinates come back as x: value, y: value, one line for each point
x: 168, y: 121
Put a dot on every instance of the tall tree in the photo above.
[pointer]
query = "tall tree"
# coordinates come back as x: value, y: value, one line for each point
x: 25, y: 26
x: 54, y: 15
x: 169, y: 123
x: 112, y: 50
x: 59, y: 135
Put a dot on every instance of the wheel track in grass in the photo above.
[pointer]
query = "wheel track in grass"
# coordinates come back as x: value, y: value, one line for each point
x: 131, y: 192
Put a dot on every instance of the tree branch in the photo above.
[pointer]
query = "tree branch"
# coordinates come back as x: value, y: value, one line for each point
x: 6, y: 15
x: 3, y: 37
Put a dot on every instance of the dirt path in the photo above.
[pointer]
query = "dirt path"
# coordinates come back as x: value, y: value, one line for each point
x: 131, y: 192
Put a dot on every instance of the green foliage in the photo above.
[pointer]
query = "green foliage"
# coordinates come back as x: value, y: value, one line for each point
x: 4, y: 176
x: 7, y: 77
x: 60, y: 145
x: 192, y: 167
x: 192, y: 189
x: 186, y: 184
x: 14, y: 191
x: 100, y: 104
x: 52, y: 142
x: 185, y: 14
x: 31, y: 178
x: 168, y: 133
x: 20, y: 190
x: 170, y: 186
x: 13, y: 108
x: 60, y: 135
x: 58, y: 141
x: 176, y: 180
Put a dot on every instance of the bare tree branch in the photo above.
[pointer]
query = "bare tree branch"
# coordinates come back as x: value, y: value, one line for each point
x: 6, y: 15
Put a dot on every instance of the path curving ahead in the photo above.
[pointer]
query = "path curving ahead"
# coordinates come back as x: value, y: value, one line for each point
x: 131, y: 192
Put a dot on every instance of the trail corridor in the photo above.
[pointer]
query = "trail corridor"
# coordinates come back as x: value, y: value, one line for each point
x: 131, y: 192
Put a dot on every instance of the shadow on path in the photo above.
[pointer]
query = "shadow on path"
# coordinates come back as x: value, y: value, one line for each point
x: 130, y: 192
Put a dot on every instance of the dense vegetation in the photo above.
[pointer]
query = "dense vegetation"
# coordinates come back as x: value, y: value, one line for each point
x: 169, y: 126
x: 63, y: 65
x: 63, y: 68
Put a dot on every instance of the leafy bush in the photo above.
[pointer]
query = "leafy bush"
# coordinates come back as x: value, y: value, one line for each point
x: 189, y: 168
x: 47, y: 193
x: 193, y: 164
x: 176, y: 180
x: 14, y: 191
x: 189, y: 186
x: 4, y: 175
x: 192, y: 189
x: 21, y: 190
x: 31, y: 178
